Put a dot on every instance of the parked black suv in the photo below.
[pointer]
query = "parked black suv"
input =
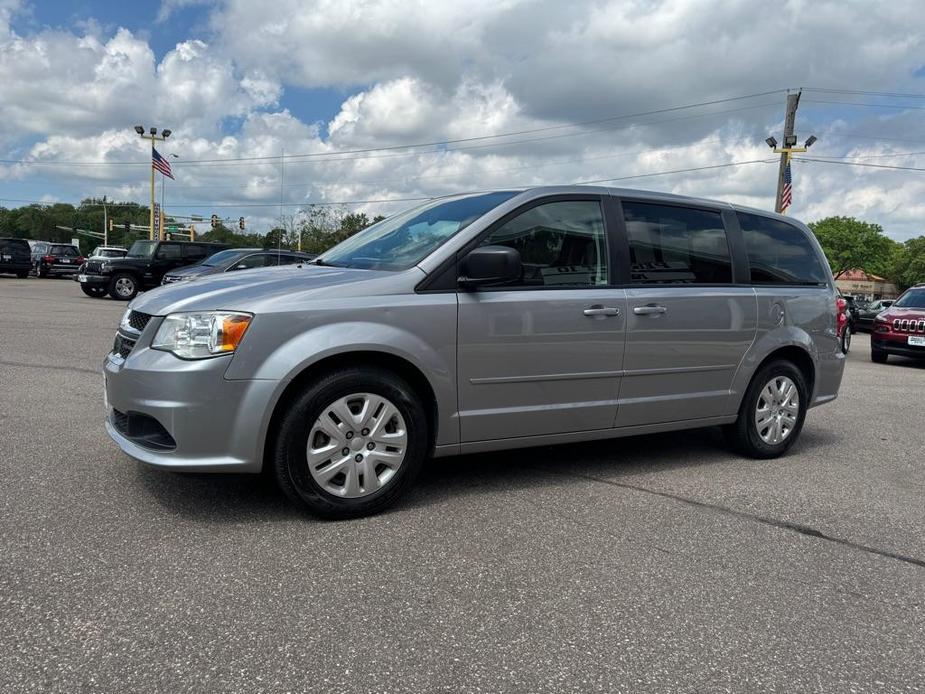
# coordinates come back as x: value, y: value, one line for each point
x: 53, y: 259
x: 15, y: 257
x: 143, y: 267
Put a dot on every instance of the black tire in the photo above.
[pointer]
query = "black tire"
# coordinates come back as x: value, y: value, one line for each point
x: 743, y: 434
x: 23, y: 274
x: 289, y: 465
x: 878, y: 356
x: 95, y: 292
x: 846, y: 339
x: 120, y: 278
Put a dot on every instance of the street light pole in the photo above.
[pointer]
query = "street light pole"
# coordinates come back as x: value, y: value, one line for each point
x: 153, y: 136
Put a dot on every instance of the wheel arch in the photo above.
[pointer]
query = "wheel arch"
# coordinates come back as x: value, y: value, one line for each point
x: 356, y: 358
x: 799, y: 357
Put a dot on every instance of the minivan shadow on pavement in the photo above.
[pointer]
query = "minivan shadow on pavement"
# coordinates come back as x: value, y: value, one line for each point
x: 242, y: 498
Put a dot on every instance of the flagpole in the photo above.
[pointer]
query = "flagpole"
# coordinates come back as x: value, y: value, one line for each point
x: 151, y: 222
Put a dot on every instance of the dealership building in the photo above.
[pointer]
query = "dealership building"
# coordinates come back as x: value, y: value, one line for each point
x: 865, y: 285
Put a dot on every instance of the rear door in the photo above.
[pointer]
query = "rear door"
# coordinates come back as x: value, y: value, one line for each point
x: 688, y: 323
x: 543, y: 355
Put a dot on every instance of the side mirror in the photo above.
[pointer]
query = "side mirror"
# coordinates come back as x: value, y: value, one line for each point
x: 489, y: 265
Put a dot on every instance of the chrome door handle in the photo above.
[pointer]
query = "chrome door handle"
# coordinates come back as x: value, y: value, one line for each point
x: 602, y: 311
x: 649, y: 310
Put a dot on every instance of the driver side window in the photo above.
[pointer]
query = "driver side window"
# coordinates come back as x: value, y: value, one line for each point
x: 561, y: 244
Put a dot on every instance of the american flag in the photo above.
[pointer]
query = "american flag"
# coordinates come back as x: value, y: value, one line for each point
x: 162, y: 165
x: 786, y: 195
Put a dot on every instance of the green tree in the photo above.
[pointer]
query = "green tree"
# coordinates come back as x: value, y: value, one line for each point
x: 909, y: 263
x: 850, y: 243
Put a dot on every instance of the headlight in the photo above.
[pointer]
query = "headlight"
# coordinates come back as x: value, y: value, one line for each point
x: 124, y: 324
x: 104, y: 266
x: 202, y: 334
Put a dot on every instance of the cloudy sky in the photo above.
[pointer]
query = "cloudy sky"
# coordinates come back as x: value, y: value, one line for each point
x: 391, y: 100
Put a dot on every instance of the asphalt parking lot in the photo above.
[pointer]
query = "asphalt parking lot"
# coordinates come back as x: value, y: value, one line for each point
x: 659, y: 563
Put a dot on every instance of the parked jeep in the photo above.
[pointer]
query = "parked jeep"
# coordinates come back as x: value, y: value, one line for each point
x: 142, y: 268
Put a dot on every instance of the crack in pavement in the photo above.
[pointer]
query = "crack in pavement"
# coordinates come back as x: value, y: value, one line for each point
x: 773, y: 522
x: 95, y: 372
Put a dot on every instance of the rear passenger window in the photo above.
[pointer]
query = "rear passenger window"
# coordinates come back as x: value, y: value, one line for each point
x: 561, y: 244
x: 779, y: 253
x: 194, y: 253
x: 676, y: 245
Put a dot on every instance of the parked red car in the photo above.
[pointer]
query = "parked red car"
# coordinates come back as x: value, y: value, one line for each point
x: 900, y: 329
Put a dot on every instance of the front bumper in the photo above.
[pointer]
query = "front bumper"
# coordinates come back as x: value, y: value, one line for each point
x: 896, y: 344
x: 93, y: 280
x: 217, y: 425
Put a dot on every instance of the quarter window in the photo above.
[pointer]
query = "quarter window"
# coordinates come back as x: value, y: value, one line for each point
x: 676, y: 245
x: 779, y: 253
x: 561, y: 244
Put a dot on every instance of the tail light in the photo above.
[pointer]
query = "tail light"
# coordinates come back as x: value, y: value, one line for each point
x: 48, y: 258
x: 80, y: 259
x: 841, y: 306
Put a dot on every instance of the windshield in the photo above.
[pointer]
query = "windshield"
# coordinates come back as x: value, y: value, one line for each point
x: 405, y: 239
x: 221, y: 258
x: 914, y: 298
x: 142, y: 249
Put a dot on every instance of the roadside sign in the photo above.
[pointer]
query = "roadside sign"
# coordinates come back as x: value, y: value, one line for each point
x: 157, y: 221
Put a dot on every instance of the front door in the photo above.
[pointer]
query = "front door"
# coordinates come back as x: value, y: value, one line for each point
x: 688, y: 327
x: 544, y: 355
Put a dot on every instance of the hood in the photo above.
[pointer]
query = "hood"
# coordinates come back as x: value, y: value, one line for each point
x: 273, y: 289
x: 895, y: 312
x: 190, y: 271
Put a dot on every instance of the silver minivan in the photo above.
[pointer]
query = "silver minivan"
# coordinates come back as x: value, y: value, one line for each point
x: 482, y: 322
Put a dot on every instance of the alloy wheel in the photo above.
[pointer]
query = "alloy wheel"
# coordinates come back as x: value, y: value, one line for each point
x: 124, y: 286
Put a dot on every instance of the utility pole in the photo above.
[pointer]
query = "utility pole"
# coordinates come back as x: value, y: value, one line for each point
x: 786, y: 153
x: 105, y: 224
x: 793, y: 101
x: 153, y: 136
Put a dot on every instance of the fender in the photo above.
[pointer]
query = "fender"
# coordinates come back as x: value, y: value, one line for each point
x: 294, y: 356
x: 764, y: 345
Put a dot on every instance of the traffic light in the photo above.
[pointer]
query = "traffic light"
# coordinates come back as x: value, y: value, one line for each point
x: 241, y: 223
x: 215, y: 221
x: 192, y: 232
x: 127, y: 227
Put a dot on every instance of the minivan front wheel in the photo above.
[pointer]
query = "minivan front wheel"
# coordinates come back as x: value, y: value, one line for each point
x: 351, y: 443
x: 772, y: 413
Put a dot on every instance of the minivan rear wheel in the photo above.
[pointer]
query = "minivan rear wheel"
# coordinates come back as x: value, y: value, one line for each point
x: 772, y: 412
x: 351, y: 443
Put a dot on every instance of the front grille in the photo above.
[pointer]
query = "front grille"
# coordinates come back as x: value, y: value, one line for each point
x: 93, y: 266
x: 138, y: 320
x: 122, y: 346
x: 906, y: 325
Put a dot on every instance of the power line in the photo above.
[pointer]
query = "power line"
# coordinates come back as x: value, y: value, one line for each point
x: 854, y: 163
x: 440, y: 143
x: 418, y: 199
x: 677, y: 171
x: 900, y: 107
x: 861, y: 92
